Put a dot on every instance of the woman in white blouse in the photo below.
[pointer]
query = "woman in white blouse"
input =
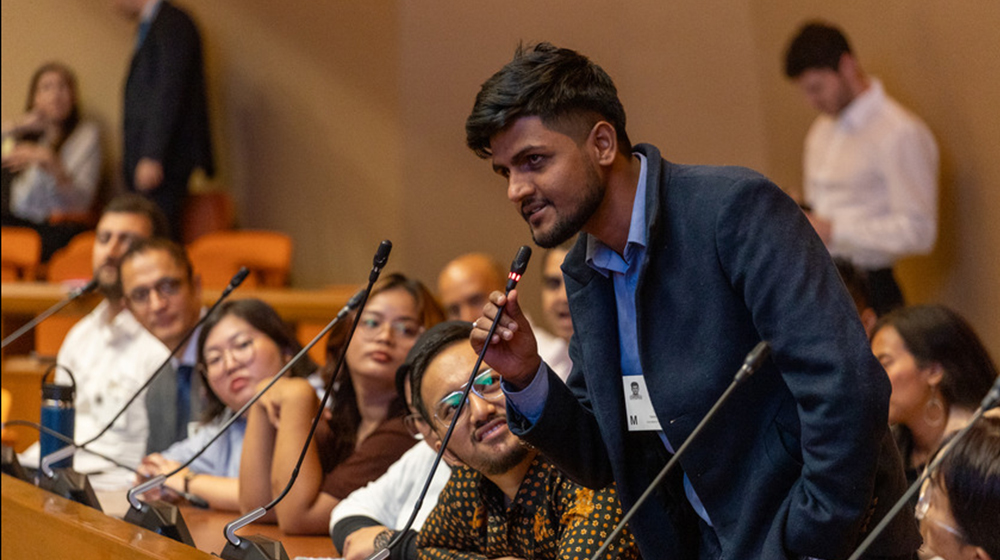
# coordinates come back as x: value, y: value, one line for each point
x: 54, y: 157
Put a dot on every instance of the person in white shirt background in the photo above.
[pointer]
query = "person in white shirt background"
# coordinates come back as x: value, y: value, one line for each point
x: 871, y: 166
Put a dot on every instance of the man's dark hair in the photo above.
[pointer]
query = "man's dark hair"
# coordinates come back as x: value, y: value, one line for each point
x: 131, y: 203
x: 176, y: 252
x: 936, y: 334
x: 428, y: 346
x: 817, y: 46
x: 562, y: 87
x: 970, y: 474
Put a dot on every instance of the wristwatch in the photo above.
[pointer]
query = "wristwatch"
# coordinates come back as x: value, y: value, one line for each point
x: 382, y: 539
x: 187, y: 481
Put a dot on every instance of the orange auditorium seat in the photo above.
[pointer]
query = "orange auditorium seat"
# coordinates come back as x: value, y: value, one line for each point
x: 217, y: 256
x: 72, y: 263
x: 22, y: 251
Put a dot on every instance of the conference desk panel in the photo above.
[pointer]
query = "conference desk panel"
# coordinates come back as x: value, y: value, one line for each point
x: 38, y: 524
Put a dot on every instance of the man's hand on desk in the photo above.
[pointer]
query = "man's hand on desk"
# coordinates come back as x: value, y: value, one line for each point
x: 361, y: 543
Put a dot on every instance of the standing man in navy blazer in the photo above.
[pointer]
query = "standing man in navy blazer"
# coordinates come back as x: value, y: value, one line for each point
x: 679, y: 272
x: 166, y: 130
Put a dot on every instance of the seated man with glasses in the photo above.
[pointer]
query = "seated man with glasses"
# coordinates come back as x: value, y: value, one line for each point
x: 163, y: 293
x: 503, y: 498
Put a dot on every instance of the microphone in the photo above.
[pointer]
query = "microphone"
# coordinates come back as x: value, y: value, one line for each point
x: 169, y: 523
x: 517, y: 269
x: 753, y: 361
x: 259, y: 546
x: 65, y: 452
x: 989, y: 401
x: 70, y: 298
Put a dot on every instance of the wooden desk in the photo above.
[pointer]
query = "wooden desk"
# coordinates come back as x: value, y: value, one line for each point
x: 37, y: 524
x: 207, y: 528
x: 27, y: 299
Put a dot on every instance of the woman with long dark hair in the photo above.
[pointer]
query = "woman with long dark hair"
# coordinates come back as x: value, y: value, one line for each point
x: 54, y: 157
x: 364, y: 432
x: 939, y: 371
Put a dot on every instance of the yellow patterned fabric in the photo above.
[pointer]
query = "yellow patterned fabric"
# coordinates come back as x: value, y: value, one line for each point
x: 551, y: 517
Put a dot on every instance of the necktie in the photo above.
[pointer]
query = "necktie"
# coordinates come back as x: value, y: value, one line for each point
x: 183, y: 399
x: 143, y: 31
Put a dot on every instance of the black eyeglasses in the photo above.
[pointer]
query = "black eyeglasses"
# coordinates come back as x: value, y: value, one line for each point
x: 164, y: 287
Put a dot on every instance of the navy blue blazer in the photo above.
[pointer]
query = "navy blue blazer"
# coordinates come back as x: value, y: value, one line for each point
x: 166, y: 115
x: 799, y: 461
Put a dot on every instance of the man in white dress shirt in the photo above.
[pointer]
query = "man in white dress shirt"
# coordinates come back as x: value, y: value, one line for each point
x: 871, y: 166
x: 108, y: 352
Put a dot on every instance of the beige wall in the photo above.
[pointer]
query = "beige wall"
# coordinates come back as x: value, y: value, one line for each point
x: 342, y: 122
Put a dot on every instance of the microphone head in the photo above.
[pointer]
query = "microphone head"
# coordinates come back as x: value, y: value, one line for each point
x: 382, y: 255
x: 86, y: 288
x: 355, y: 300
x: 239, y: 277
x: 518, y: 267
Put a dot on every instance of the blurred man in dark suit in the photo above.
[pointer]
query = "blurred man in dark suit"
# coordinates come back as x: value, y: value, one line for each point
x: 166, y: 132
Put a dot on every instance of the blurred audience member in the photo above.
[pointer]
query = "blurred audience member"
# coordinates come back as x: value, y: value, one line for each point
x: 109, y: 353
x: 554, y: 348
x: 465, y: 283
x: 959, y: 505
x: 857, y: 285
x: 166, y: 133
x: 365, y: 433
x: 871, y: 166
x: 939, y: 371
x: 52, y: 158
x: 241, y: 344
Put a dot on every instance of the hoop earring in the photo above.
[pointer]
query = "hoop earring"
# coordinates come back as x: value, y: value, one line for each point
x: 935, y: 419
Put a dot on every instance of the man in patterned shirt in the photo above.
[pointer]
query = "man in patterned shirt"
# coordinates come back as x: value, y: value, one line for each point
x: 504, y: 500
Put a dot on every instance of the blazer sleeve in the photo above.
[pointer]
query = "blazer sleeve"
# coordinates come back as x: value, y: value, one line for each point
x: 774, y: 259
x: 567, y: 430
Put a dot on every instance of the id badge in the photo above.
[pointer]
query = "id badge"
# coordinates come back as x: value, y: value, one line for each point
x: 639, y: 412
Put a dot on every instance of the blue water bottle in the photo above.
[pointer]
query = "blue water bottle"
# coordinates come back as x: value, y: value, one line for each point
x: 58, y: 415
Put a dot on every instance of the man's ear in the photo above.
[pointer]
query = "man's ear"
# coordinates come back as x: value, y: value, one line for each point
x: 847, y: 65
x: 979, y: 554
x: 604, y: 141
x: 448, y: 456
